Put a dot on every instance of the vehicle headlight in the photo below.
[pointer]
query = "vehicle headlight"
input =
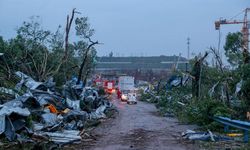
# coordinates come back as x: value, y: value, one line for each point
x: 124, y: 96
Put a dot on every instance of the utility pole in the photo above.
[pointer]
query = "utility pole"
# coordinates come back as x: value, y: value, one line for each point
x: 188, y: 47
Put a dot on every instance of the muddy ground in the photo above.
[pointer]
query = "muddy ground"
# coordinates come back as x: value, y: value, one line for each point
x: 137, y: 127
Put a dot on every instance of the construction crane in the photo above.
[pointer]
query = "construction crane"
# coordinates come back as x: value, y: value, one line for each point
x: 244, y: 30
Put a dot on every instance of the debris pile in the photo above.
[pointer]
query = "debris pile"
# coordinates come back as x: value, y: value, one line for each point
x: 41, y: 113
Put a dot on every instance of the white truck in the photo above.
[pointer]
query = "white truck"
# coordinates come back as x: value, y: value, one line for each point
x: 126, y: 85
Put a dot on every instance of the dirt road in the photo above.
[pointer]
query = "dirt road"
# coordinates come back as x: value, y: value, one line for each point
x: 139, y: 127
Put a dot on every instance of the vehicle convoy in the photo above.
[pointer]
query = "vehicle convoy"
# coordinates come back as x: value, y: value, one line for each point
x: 126, y: 87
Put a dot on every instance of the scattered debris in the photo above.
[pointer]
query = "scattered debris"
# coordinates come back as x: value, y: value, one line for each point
x: 203, y: 136
x: 9, y: 91
x: 211, y: 91
x: 180, y: 103
x: 62, y: 137
x: 234, y: 134
x: 238, y: 86
x: 43, y: 113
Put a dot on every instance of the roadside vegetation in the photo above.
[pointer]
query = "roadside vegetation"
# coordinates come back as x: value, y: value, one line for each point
x: 42, y: 53
x: 207, y: 90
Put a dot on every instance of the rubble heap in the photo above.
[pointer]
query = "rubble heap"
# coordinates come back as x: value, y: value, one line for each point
x: 43, y: 113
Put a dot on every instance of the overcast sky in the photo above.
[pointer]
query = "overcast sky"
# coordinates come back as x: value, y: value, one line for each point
x: 133, y: 27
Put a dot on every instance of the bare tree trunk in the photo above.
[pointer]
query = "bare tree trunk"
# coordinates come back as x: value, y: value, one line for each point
x: 196, y: 82
x: 68, y: 26
x: 84, y: 60
x: 86, y: 77
x: 66, y: 48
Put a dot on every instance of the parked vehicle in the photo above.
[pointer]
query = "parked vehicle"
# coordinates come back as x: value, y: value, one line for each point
x: 126, y: 85
x: 109, y: 87
x: 124, y: 95
x: 132, y: 98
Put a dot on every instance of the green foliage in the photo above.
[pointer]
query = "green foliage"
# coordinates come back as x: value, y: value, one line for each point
x: 101, y: 91
x: 29, y: 121
x: 245, y: 73
x: 233, y: 48
x: 145, y: 96
x: 197, y: 112
x: 236, y: 56
x: 84, y: 47
x: 83, y: 28
x: 202, y: 112
x: 34, y: 51
x: 2, y: 61
x: 39, y: 52
x: 222, y: 101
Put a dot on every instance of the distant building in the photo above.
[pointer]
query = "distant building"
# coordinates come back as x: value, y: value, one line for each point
x: 141, y: 67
